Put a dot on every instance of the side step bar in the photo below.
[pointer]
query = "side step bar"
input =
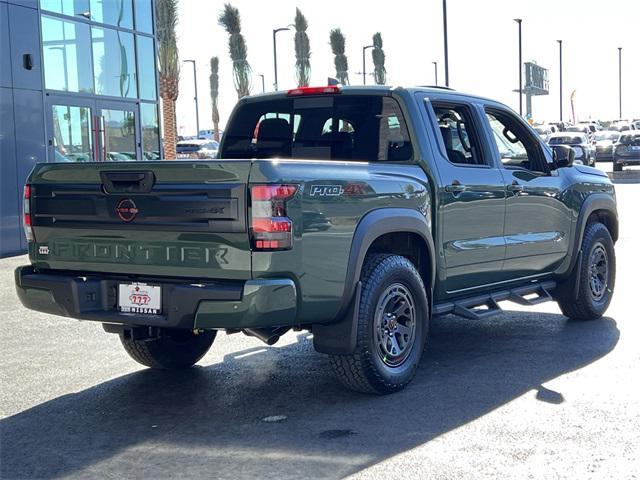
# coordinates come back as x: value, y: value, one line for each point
x: 482, y: 306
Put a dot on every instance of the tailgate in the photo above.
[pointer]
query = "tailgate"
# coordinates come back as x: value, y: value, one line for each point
x: 181, y: 219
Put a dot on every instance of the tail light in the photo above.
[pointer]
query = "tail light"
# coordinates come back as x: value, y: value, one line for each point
x: 314, y: 90
x: 271, y: 229
x: 27, y: 224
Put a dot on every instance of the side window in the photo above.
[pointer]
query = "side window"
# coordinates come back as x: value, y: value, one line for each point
x: 517, y: 148
x: 394, y: 141
x: 458, y: 137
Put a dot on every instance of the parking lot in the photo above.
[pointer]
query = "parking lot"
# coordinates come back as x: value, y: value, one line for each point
x: 525, y: 394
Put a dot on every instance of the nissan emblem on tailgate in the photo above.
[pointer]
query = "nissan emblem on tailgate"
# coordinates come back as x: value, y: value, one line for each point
x: 126, y: 210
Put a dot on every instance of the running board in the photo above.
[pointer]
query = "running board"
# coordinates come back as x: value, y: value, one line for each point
x: 482, y: 306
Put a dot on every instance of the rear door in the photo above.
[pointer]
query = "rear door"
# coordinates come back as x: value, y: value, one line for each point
x: 471, y: 196
x: 182, y: 219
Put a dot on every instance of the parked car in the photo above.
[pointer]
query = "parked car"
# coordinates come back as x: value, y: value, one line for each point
x: 627, y: 151
x: 605, y: 143
x: 357, y: 213
x: 190, y: 149
x: 578, y: 141
x: 208, y: 134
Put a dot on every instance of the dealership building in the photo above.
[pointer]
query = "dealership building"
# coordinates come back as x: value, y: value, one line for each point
x: 78, y: 83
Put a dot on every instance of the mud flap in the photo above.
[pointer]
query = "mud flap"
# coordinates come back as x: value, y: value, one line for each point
x: 339, y: 338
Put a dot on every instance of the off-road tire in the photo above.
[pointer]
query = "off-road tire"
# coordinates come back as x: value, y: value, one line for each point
x: 174, y: 350
x: 365, y: 370
x: 585, y: 306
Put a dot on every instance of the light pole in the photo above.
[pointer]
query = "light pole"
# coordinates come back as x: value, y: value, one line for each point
x: 435, y: 71
x: 446, y: 43
x: 560, y: 45
x: 364, y: 63
x: 275, y: 56
x: 195, y: 98
x: 620, y: 82
x: 262, y: 77
x: 519, y: 22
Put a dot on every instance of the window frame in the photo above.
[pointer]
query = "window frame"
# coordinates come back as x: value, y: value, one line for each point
x: 490, y: 109
x: 474, y: 131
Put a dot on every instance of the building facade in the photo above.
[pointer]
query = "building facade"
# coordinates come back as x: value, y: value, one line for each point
x: 78, y: 83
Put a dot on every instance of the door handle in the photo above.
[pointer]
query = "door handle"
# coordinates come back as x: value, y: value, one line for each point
x: 455, y: 187
x: 515, y: 187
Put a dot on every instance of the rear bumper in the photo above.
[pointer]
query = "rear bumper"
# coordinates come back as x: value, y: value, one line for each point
x: 253, y: 303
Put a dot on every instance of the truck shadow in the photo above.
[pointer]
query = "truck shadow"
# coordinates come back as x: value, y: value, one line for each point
x: 208, y: 421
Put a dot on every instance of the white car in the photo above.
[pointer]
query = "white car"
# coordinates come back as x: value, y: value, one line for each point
x: 190, y: 149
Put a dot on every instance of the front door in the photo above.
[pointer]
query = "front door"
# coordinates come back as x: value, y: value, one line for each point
x: 471, y: 196
x: 538, y: 223
x: 86, y: 130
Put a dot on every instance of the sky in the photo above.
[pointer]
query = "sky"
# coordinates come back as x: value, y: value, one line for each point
x: 483, y: 49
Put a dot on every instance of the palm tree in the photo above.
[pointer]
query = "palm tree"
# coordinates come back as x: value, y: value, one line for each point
x: 303, y: 51
x: 169, y: 70
x: 229, y: 19
x: 213, y: 83
x: 336, y: 40
x: 379, y: 72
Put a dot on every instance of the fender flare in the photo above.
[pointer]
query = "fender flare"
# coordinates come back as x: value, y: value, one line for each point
x: 339, y: 337
x: 594, y: 202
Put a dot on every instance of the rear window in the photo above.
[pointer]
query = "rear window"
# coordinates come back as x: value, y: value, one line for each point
x: 566, y: 140
x: 331, y: 127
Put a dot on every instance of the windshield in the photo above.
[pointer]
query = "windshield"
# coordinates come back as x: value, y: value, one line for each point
x: 567, y: 140
x: 632, y: 139
x: 327, y: 127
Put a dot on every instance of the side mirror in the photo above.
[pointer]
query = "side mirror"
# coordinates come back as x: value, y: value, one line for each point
x: 563, y: 156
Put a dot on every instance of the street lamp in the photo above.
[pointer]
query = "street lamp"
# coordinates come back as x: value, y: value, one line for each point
x: 262, y: 77
x: 364, y: 63
x: 560, y: 45
x: 275, y: 56
x: 519, y: 22
x: 446, y: 43
x: 620, y: 82
x: 435, y: 71
x: 195, y: 98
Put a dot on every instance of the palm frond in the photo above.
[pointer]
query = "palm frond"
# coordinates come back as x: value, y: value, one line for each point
x: 337, y: 42
x: 229, y: 19
x: 303, y: 49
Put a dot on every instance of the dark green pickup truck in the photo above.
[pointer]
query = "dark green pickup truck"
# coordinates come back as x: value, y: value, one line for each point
x: 357, y: 213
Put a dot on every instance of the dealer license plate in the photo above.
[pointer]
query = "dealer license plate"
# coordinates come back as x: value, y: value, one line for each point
x: 139, y: 298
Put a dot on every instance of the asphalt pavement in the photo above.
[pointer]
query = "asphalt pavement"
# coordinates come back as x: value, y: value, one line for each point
x: 525, y: 394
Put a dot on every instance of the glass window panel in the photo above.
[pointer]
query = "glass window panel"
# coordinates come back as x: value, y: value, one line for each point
x: 150, y: 131
x: 112, y: 12
x: 114, y: 63
x: 72, y: 134
x: 146, y: 67
x: 144, y: 16
x: 66, y: 7
x: 119, y: 135
x: 67, y: 55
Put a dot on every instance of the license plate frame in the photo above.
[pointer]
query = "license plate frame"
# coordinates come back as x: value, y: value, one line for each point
x: 139, y: 298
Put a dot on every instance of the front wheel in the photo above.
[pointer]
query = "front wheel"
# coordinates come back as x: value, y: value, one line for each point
x: 392, y: 327
x: 172, y: 350
x: 595, y: 275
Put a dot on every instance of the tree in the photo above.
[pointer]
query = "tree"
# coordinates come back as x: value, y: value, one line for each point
x: 213, y: 83
x: 168, y: 69
x: 229, y: 19
x: 336, y: 40
x: 379, y: 72
x: 303, y: 51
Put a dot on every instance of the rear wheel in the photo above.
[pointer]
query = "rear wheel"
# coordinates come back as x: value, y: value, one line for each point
x: 172, y: 350
x: 617, y: 167
x: 596, y: 276
x: 393, y: 323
